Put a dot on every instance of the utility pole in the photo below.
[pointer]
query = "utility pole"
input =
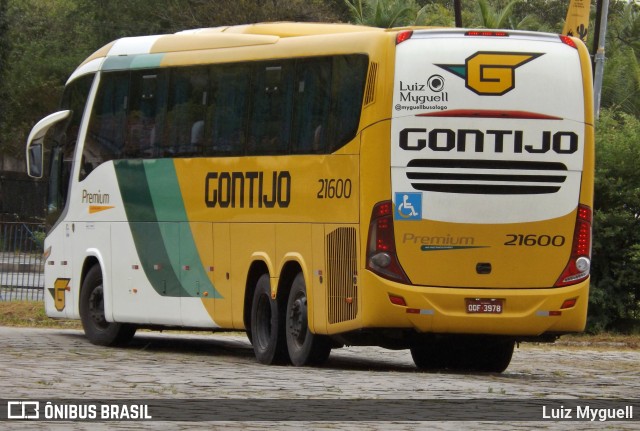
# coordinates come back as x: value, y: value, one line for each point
x: 457, y: 9
x: 598, y: 59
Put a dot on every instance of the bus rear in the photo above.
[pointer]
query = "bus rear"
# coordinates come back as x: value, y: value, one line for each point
x: 488, y: 227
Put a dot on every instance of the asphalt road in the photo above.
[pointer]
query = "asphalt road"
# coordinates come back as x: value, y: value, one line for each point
x: 52, y: 364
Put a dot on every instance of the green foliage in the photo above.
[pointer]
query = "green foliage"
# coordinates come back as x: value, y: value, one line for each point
x: 492, y: 18
x: 621, y: 82
x: 513, y: 14
x: 4, y: 52
x: 50, y: 38
x: 40, y: 60
x: 384, y: 13
x: 615, y: 287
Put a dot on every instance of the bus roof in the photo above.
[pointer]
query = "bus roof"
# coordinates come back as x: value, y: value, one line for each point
x: 206, y: 45
x: 148, y: 51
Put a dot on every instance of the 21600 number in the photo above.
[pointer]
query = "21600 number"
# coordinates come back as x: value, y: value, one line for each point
x: 334, y: 188
x: 533, y: 240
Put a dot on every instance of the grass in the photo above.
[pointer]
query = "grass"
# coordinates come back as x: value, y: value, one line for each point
x: 31, y: 314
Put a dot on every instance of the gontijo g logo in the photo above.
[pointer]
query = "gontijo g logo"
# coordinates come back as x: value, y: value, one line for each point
x: 490, y: 73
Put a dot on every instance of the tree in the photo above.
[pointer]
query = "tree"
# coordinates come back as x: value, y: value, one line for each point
x: 502, y: 18
x: 385, y: 14
x: 615, y: 286
x: 621, y: 82
x: 51, y: 37
x: 4, y: 54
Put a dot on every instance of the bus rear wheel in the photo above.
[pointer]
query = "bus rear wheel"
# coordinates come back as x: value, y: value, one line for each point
x: 464, y: 353
x: 305, y: 348
x: 267, y: 325
x: 96, y: 327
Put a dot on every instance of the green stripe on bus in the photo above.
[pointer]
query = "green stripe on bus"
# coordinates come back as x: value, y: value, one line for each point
x: 169, y: 207
x: 161, y: 232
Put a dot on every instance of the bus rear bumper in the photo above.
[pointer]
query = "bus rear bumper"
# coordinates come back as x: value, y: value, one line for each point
x: 510, y: 312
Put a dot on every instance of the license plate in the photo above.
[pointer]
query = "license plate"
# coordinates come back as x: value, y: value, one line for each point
x: 484, y: 306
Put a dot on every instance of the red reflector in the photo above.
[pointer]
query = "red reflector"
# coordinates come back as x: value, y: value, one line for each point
x: 403, y: 35
x: 413, y: 310
x: 555, y: 313
x: 568, y: 41
x: 569, y: 303
x: 487, y: 33
x: 397, y: 300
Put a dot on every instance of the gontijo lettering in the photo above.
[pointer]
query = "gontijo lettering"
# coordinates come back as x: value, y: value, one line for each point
x: 253, y: 189
x: 478, y: 141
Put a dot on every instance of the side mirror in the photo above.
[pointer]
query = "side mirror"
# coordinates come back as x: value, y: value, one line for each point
x: 35, y: 160
x: 34, y: 142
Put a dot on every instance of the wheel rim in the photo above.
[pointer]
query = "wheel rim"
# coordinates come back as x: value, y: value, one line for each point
x: 96, y: 308
x: 262, y: 331
x: 297, y: 322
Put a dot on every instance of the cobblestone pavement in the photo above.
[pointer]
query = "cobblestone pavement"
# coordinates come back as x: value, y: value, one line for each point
x: 52, y: 364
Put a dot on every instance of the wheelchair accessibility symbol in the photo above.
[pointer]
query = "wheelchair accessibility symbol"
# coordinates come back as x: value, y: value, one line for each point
x: 408, y: 206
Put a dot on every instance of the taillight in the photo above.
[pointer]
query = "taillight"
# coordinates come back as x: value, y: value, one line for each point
x: 381, y: 249
x: 580, y: 262
x: 403, y: 35
x: 486, y: 33
x: 568, y: 41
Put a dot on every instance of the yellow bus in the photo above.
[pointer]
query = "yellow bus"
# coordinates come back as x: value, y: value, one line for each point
x: 323, y: 185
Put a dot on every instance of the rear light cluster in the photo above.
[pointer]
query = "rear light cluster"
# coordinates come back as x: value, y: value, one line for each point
x: 403, y: 35
x: 580, y: 262
x: 568, y: 41
x: 381, y: 249
x: 486, y: 33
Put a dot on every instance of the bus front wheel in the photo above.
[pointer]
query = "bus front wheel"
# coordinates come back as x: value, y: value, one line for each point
x: 305, y: 348
x: 267, y: 325
x: 96, y: 327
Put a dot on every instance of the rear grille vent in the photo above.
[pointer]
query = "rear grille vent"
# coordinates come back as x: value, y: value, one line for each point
x: 486, y: 177
x: 370, y: 91
x: 342, y: 290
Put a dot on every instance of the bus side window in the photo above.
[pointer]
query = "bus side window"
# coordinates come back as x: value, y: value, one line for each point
x: 348, y: 81
x: 105, y: 137
x: 63, y: 148
x: 312, y: 100
x: 186, y: 112
x: 229, y: 103
x: 270, y: 124
x: 145, y: 120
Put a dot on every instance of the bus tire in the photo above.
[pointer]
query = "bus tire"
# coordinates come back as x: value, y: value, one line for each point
x: 96, y: 328
x: 267, y: 325
x: 430, y: 355
x: 491, y: 355
x: 305, y: 348
x: 463, y: 353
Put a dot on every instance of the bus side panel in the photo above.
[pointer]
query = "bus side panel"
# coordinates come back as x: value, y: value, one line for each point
x: 221, y: 275
x: 294, y: 246
x: 318, y: 305
x: 250, y: 242
x: 58, y: 285
x: 194, y: 254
